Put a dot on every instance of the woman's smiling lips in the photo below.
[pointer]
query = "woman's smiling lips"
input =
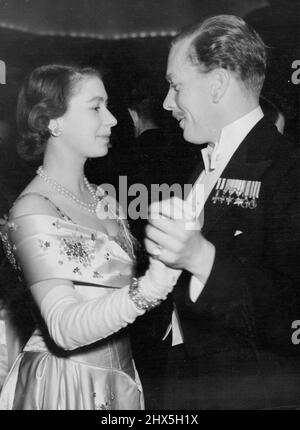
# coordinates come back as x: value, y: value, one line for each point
x: 104, y: 136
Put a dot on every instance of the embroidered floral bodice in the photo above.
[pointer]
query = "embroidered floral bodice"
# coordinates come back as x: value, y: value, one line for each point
x: 45, y: 247
x: 65, y: 244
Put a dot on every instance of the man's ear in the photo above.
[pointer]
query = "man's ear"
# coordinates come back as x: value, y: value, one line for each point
x: 134, y: 116
x: 220, y: 83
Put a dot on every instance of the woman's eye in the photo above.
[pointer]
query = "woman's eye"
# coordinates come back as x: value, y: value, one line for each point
x: 97, y: 108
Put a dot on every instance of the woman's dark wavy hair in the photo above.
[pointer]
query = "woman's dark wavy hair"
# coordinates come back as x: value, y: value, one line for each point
x: 226, y: 41
x: 44, y: 96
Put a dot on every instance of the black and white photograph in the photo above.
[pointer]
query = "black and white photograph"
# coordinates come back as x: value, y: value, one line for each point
x: 149, y: 207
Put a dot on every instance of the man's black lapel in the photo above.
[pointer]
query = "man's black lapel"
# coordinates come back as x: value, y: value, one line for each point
x: 249, y: 163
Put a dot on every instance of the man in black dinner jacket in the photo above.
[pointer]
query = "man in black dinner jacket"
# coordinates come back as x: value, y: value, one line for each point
x: 239, y: 291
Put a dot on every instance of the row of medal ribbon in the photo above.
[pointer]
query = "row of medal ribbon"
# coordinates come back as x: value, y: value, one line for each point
x: 242, y: 193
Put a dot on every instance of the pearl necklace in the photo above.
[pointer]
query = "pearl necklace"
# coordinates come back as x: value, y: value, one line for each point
x: 90, y: 207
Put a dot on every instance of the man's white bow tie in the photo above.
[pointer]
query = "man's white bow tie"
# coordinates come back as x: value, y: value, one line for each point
x: 210, y: 156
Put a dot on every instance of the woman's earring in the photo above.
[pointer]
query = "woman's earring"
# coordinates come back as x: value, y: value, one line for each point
x: 55, y: 132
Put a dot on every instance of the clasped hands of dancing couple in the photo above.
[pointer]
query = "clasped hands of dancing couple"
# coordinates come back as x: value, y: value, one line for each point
x: 173, y: 235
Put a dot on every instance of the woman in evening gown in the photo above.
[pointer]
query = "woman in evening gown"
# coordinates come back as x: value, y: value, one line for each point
x: 70, y: 244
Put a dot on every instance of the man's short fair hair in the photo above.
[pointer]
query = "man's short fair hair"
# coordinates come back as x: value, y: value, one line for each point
x: 226, y: 41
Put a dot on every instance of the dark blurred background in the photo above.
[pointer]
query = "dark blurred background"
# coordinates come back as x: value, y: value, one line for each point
x: 130, y: 40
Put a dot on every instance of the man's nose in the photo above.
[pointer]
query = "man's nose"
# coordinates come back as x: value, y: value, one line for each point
x: 169, y: 102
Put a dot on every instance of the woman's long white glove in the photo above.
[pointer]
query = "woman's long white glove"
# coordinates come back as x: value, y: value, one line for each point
x: 158, y: 281
x: 73, y: 323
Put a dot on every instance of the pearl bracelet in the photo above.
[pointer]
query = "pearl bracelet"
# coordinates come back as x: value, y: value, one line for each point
x: 140, y: 301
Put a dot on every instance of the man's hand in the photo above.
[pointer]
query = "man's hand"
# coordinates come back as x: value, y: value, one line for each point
x: 173, y: 236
